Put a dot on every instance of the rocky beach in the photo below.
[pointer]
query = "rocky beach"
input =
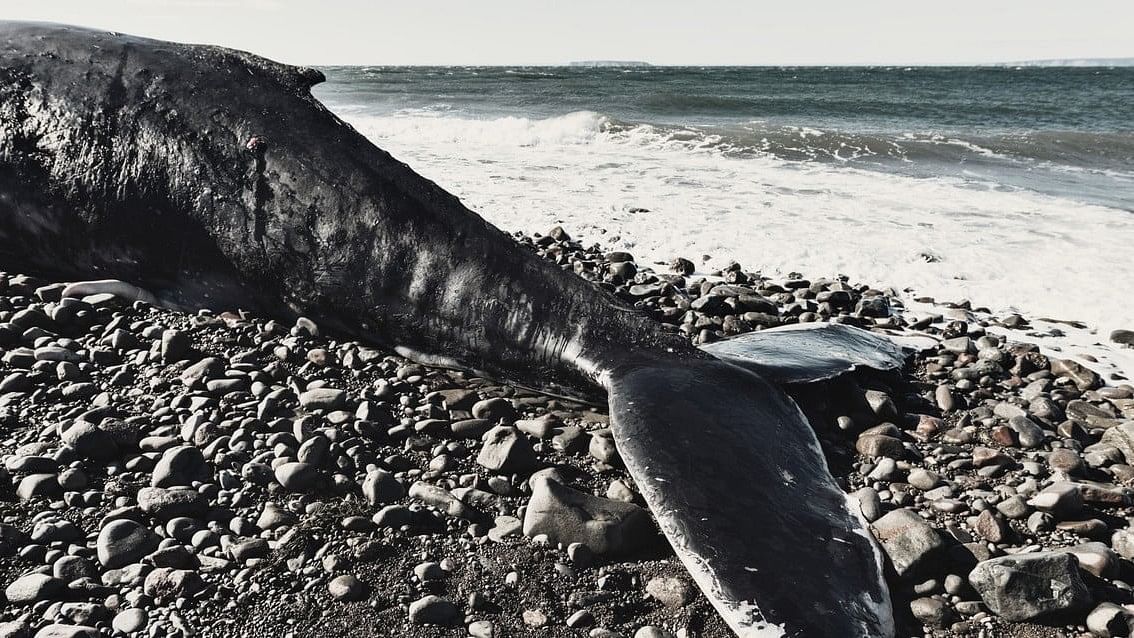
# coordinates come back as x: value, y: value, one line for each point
x: 224, y: 474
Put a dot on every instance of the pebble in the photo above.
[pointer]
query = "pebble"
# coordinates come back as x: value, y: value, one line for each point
x: 298, y: 477
x: 932, y: 612
x: 670, y: 591
x: 129, y: 621
x: 380, y: 487
x: 1013, y: 432
x: 180, y: 466
x: 347, y: 587
x: 122, y: 542
x: 434, y: 610
x: 506, y: 450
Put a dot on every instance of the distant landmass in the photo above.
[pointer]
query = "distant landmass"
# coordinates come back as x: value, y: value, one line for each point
x: 1074, y: 62
x: 608, y: 63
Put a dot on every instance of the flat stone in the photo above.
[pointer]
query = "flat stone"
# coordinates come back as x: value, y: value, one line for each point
x: 494, y: 410
x: 41, y: 485
x: 602, y: 448
x: 327, y: 399
x: 167, y: 503
x: 274, y: 516
x: 879, y: 445
x: 67, y: 631
x: 869, y: 502
x: 34, y: 588
x: 443, y: 500
x: 932, y: 612
x: 541, y: 428
x: 249, y: 549
x: 1080, y: 375
x: 1062, y: 499
x: 1096, y: 558
x: 71, y: 568
x: 505, y: 527
x: 670, y: 591
x: 907, y: 539
x: 196, y: 373
x: 569, y: 516
x: 946, y: 400
x: 923, y: 479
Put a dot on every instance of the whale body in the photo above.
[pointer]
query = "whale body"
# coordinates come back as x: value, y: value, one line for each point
x: 212, y: 178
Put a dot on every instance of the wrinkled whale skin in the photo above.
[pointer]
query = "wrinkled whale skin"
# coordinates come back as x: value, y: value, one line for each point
x: 216, y: 176
x: 213, y: 178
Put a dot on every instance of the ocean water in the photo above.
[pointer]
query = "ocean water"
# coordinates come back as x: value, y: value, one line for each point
x: 1010, y: 187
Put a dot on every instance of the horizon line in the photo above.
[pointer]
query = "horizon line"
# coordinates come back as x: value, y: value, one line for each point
x: 1051, y: 63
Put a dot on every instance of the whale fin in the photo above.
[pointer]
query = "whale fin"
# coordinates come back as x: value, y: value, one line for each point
x: 803, y: 353
x: 739, y: 486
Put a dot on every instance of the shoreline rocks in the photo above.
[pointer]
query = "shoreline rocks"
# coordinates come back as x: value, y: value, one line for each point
x: 232, y: 474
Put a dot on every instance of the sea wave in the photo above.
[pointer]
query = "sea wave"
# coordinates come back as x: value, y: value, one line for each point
x: 1101, y: 151
x: 660, y: 191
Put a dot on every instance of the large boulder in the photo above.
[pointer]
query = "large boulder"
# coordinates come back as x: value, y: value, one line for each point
x: 1026, y: 586
x: 569, y: 516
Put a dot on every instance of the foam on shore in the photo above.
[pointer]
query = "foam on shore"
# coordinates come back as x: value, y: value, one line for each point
x: 951, y: 238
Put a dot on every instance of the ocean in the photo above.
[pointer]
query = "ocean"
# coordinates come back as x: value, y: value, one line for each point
x: 1009, y: 187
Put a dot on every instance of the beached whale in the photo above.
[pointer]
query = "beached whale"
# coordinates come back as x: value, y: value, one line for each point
x: 213, y: 178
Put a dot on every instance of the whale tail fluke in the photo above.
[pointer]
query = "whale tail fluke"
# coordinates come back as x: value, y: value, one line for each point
x: 739, y: 486
x: 803, y: 353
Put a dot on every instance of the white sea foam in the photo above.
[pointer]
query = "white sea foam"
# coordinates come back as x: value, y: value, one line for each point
x: 998, y: 246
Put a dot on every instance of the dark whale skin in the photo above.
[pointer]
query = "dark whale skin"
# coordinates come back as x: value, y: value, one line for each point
x: 214, y: 171
x: 214, y: 178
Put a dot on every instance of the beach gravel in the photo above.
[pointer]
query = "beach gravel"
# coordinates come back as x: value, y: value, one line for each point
x: 219, y: 473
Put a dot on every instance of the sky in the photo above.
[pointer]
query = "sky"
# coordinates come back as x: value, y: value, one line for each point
x: 695, y: 32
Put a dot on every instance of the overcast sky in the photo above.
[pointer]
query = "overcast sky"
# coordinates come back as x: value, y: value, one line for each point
x: 657, y: 31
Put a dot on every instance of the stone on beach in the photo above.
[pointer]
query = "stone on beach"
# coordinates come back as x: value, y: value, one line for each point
x: 568, y: 516
x: 907, y: 539
x: 1027, y: 586
x: 122, y: 542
